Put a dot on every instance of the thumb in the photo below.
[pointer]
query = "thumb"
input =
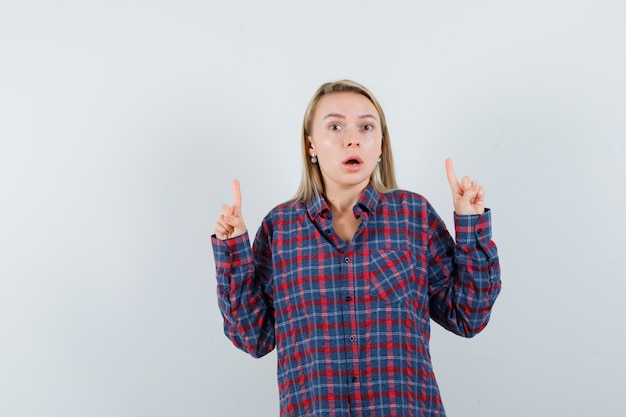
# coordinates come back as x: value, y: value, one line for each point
x: 228, y: 215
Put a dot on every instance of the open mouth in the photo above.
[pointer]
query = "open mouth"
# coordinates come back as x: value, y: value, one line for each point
x: 352, y: 161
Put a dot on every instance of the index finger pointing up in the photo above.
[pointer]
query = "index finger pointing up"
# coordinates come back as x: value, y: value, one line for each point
x: 236, y: 207
x: 452, y: 178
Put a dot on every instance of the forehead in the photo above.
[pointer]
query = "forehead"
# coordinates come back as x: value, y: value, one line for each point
x: 346, y: 104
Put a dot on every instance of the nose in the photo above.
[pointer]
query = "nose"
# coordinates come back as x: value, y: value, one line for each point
x: 352, y: 139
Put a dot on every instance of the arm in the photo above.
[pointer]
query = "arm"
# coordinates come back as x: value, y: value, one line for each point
x: 243, y: 278
x: 464, y: 278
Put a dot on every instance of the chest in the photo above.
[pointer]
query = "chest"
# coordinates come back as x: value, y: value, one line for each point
x: 319, y: 272
x: 346, y: 226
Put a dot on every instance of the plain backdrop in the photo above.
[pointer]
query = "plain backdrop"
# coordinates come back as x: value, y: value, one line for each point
x: 122, y: 124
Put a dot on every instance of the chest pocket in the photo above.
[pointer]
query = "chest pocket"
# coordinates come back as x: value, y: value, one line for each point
x: 391, y: 275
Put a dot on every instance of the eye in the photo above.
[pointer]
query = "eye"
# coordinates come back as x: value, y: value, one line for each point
x: 368, y: 127
x: 334, y: 126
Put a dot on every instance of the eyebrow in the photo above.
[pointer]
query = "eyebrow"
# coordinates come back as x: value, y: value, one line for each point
x: 341, y: 116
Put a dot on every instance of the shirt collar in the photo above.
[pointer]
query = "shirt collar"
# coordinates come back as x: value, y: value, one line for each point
x: 368, y: 201
x: 317, y: 206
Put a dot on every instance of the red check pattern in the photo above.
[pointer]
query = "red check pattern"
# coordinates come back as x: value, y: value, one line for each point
x: 351, y: 322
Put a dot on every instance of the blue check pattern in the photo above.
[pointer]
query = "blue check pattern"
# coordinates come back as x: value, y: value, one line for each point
x: 351, y: 321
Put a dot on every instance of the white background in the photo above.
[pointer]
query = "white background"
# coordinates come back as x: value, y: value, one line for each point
x: 122, y: 124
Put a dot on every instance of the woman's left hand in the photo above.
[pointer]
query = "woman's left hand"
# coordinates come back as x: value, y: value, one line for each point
x: 468, y: 196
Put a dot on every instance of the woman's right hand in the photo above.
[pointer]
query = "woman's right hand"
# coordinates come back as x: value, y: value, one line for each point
x: 230, y: 223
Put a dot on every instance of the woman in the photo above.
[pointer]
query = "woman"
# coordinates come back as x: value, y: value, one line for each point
x: 344, y: 279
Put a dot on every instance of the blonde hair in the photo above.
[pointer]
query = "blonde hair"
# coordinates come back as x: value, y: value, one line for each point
x: 383, y: 178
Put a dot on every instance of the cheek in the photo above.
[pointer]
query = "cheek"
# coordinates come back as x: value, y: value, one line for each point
x: 375, y: 144
x: 328, y: 144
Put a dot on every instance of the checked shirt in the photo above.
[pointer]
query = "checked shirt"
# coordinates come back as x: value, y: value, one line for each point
x: 351, y: 322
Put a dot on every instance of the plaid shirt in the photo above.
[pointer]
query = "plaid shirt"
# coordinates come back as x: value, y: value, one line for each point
x: 351, y: 322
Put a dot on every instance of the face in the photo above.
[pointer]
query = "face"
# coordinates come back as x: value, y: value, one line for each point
x: 346, y: 138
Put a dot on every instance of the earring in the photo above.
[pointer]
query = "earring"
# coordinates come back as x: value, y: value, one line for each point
x: 379, y: 159
x: 314, y: 159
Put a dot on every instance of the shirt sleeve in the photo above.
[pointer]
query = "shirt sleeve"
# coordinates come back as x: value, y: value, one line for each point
x: 464, y: 277
x: 242, y: 294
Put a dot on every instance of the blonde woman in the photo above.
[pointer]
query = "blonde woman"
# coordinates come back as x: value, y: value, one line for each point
x: 344, y: 279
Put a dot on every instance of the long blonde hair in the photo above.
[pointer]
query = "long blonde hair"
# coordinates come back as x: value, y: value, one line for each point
x: 383, y: 178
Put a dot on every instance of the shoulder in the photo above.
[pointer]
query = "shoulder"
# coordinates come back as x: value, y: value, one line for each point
x: 286, y: 211
x: 400, y: 197
x: 407, y: 204
x: 281, y: 218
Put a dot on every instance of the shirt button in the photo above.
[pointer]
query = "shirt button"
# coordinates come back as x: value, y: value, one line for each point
x: 348, y: 298
x: 353, y: 379
x: 346, y: 259
x: 327, y: 230
x: 352, y: 338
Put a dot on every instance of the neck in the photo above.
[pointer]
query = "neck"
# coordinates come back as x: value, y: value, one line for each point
x: 343, y: 200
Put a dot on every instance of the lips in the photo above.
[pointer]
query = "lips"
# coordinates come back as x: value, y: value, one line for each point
x: 352, y: 160
x: 352, y: 163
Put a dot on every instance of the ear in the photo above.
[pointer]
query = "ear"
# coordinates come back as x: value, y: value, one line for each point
x: 311, y: 147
